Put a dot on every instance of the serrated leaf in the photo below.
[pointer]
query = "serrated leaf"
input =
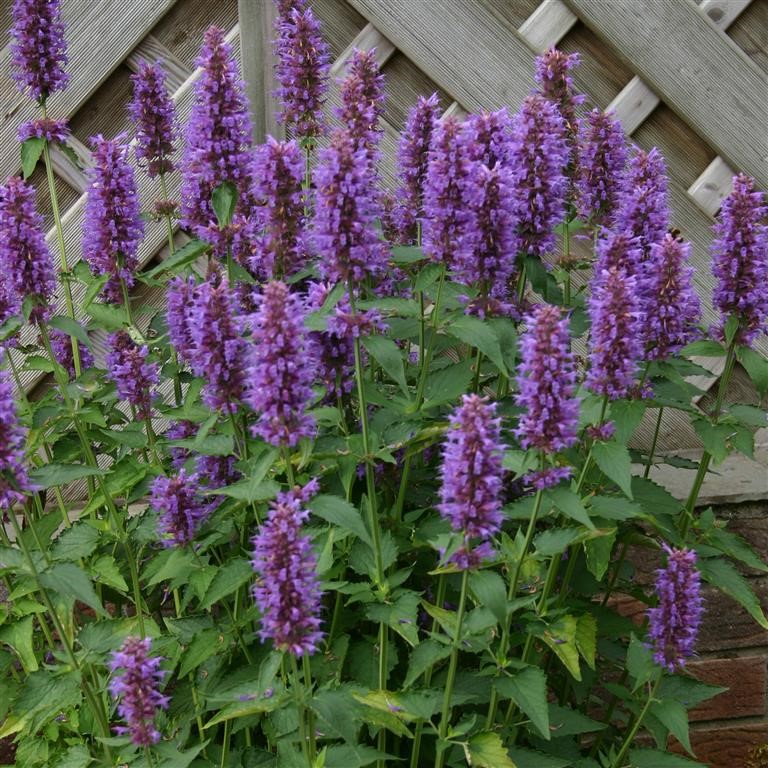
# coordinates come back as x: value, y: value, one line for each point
x: 750, y: 414
x: 105, y: 570
x: 674, y: 717
x: 249, y: 490
x: 427, y: 276
x: 68, y: 580
x: 714, y: 437
x: 447, y: 384
x: 561, y: 638
x: 640, y: 663
x: 342, y: 514
x: 387, y: 354
x: 423, y: 656
x: 598, y: 552
x: 529, y: 758
x: 486, y: 750
x: 528, y: 689
x: 703, y: 348
x: 490, y: 590
x: 567, y: 502
x: 31, y: 150
x: 401, y: 615
x: 18, y: 635
x: 614, y: 461
x: 183, y: 256
x: 586, y: 638
x: 626, y: 416
x: 204, y: 645
x: 228, y: 578
x: 107, y: 317
x: 476, y: 333
x: 50, y: 475
x: 724, y: 576
x: 407, y: 254
x: 756, y: 366
x: 653, y: 758
x: 555, y: 541
x: 224, y: 201
x: 77, y: 756
x: 71, y: 328
x: 76, y: 542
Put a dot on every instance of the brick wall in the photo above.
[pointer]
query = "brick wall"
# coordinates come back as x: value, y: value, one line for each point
x: 729, y: 730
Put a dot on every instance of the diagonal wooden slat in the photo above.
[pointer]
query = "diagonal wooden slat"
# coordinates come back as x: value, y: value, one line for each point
x: 366, y: 39
x: 155, y: 232
x: 547, y: 25
x: 699, y: 72
x: 100, y: 34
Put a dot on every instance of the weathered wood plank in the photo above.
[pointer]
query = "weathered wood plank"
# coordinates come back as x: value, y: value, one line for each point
x: 66, y: 169
x: 155, y: 233
x: 257, y: 21
x: 633, y: 105
x: 150, y: 49
x: 547, y: 25
x: 366, y: 39
x: 702, y: 74
x: 724, y: 12
x: 434, y: 35
x: 712, y: 186
x: 101, y: 33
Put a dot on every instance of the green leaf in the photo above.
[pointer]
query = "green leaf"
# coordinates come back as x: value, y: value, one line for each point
x: 750, y: 415
x: 41, y: 363
x: 640, y: 663
x: 653, y: 758
x: 703, y: 348
x: 77, y: 756
x: 407, y: 254
x: 565, y: 500
x: 528, y: 758
x: 555, y: 541
x: 586, y: 638
x: 338, y: 709
x: 476, y: 333
x: 203, y: 646
x: 598, y: 552
x: 228, y: 578
x: 342, y: 514
x: 401, y: 615
x: 387, y: 354
x: 50, y: 475
x: 18, y: 634
x: 224, y: 201
x: 528, y: 689
x: 427, y: 276
x: 561, y: 638
x: 251, y: 489
x: 490, y: 590
x: 70, y: 581
x: 447, y: 384
x: 31, y: 150
x: 107, y: 317
x: 183, y: 256
x: 674, y: 717
x: 626, y: 415
x: 736, y: 547
x: 424, y: 655
x: 613, y: 459
x: 76, y: 542
x: 723, y: 575
x: 170, y: 564
x: 104, y: 570
x: 715, y: 438
x: 71, y: 328
x: 486, y: 750
x: 687, y: 690
x: 756, y: 366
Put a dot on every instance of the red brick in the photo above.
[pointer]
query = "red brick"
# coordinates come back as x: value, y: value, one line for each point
x: 745, y: 678
x: 726, y: 747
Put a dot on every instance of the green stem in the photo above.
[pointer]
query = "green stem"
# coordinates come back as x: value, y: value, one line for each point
x: 93, y: 701
x: 225, y: 745
x: 701, y: 474
x: 619, y: 761
x: 445, y: 714
x: 654, y: 442
x: 310, y: 714
x: 60, y: 239
x: 302, y: 711
x: 148, y: 757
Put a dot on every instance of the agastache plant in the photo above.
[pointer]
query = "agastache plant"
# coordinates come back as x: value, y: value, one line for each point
x: 405, y: 476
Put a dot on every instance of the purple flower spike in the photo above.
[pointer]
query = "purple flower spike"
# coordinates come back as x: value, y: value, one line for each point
x: 671, y: 307
x: 346, y: 213
x: 180, y: 298
x: 444, y: 212
x: 601, y: 167
x: 486, y: 255
x: 180, y: 507
x: 488, y: 138
x: 112, y: 225
x: 61, y: 344
x: 553, y: 74
x: 547, y: 383
x: 153, y: 114
x: 218, y: 137
x: 287, y: 590
x: 278, y: 177
x: 620, y: 251
x: 302, y: 71
x: 548, y: 478
x: 14, y: 481
x: 643, y: 207
x: 136, y: 685
x: 471, y: 471
x: 740, y: 253
x: 133, y: 376
x: 674, y: 623
x: 538, y: 158
x: 218, y: 350
x: 282, y: 368
x: 616, y: 343
x: 39, y: 48
x: 53, y: 131
x: 413, y: 159
x: 24, y: 256
x: 362, y: 101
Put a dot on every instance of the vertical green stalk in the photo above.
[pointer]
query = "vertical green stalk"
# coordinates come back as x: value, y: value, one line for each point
x: 65, y: 275
x: 698, y: 481
x: 445, y: 714
x: 310, y: 714
x: 654, y: 442
x: 148, y: 757
x: 302, y: 711
x: 619, y: 761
